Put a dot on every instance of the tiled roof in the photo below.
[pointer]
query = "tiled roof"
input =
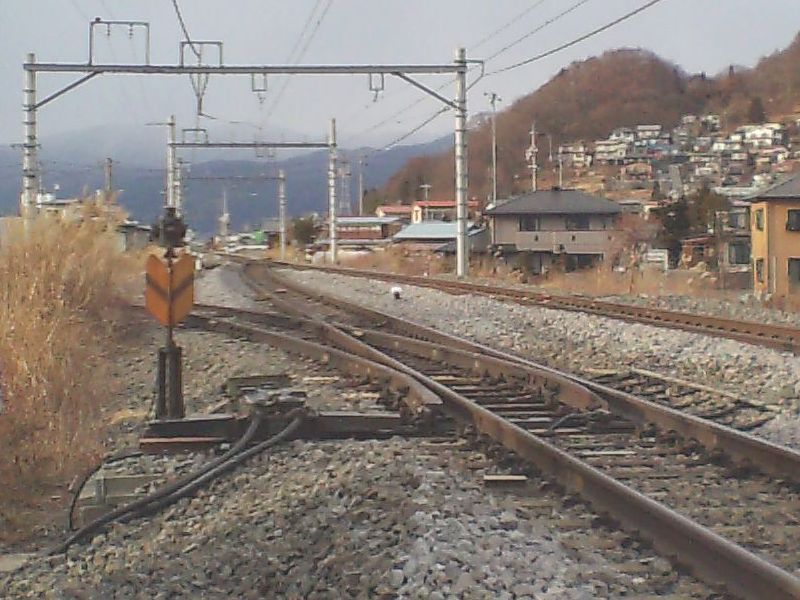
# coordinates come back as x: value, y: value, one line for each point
x: 557, y: 202
x: 429, y: 230
x: 788, y: 188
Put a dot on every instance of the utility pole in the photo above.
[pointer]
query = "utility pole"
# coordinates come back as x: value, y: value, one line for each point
x: 462, y: 246
x: 426, y: 188
x: 530, y: 154
x: 493, y: 100
x: 225, y: 218
x: 361, y: 164
x: 332, y: 189
x: 109, y: 181
x: 179, y: 186
x: 171, y: 162
x: 282, y: 210
x: 31, y: 177
x: 345, y: 201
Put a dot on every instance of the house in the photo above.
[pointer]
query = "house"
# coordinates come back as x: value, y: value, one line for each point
x: 439, y: 210
x: 402, y: 211
x: 270, y: 232
x: 575, y: 155
x: 610, y: 152
x: 555, y: 224
x: 369, y: 230
x: 131, y: 235
x: 639, y: 172
x: 648, y: 133
x: 623, y: 134
x: 775, y: 237
x: 438, y: 236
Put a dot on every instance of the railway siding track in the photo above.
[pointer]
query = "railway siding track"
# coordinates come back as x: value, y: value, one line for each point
x: 778, y: 337
x: 708, y: 554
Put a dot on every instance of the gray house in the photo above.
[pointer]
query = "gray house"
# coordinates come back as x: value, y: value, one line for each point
x: 546, y: 226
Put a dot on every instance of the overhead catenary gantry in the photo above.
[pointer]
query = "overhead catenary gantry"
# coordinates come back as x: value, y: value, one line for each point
x: 174, y: 187
x: 31, y: 176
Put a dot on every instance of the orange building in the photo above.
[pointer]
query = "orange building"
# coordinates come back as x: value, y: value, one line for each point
x: 775, y: 237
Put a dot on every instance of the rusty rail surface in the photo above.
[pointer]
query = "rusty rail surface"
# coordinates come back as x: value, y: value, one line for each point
x: 779, y: 337
x: 742, y: 447
x: 710, y: 556
x: 706, y: 553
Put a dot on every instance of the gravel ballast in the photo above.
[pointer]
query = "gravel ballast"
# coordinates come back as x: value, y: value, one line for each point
x: 354, y: 519
x: 364, y: 519
x: 577, y: 341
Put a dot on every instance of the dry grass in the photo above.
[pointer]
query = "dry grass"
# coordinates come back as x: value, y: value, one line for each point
x: 397, y: 259
x: 59, y: 299
x: 601, y: 281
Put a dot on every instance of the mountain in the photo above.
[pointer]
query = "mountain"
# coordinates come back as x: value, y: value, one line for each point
x: 588, y: 99
x: 249, y: 201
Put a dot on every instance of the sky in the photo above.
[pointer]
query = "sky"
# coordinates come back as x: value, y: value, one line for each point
x: 699, y: 35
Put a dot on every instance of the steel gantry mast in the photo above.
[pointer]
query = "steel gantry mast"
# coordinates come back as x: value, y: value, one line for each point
x: 173, y: 145
x: 201, y: 72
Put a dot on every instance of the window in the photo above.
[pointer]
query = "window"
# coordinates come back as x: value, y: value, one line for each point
x: 739, y: 253
x: 793, y: 220
x: 760, y: 270
x: 529, y: 223
x: 794, y: 272
x: 760, y: 219
x: 577, y: 223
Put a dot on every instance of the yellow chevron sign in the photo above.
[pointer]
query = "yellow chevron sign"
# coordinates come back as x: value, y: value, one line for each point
x: 169, y: 296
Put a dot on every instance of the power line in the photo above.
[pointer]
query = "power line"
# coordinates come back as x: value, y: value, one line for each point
x: 300, y: 55
x: 408, y: 134
x: 502, y: 50
x: 303, y: 31
x: 505, y: 26
x: 548, y: 22
x: 578, y: 39
x: 185, y: 30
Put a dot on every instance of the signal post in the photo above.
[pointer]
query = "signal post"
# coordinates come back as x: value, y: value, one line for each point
x: 169, y: 295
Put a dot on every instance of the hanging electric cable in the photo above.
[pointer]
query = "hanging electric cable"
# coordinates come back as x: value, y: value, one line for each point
x: 185, y: 30
x: 578, y: 39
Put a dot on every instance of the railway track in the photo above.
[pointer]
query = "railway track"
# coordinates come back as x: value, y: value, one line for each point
x: 778, y: 337
x: 731, y: 496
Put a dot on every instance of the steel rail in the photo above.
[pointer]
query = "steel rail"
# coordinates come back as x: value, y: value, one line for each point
x: 779, y: 337
x: 707, y: 554
x: 740, y: 446
x: 420, y: 401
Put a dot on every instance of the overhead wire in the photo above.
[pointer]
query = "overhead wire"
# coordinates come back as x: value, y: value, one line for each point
x: 547, y: 23
x: 513, y: 21
x: 577, y: 40
x: 474, y: 46
x: 485, y: 39
x: 299, y: 56
x: 542, y: 55
x: 184, y: 29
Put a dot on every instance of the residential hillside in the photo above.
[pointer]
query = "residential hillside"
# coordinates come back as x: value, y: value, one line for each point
x: 589, y: 99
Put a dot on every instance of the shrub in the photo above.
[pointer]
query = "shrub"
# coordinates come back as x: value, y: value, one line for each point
x: 58, y: 303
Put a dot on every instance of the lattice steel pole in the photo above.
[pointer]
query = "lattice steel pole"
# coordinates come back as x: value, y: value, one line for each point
x: 30, y: 162
x: 282, y: 210
x: 462, y: 247
x: 171, y: 156
x: 332, y: 190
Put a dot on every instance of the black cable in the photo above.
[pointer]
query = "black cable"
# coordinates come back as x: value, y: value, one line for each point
x: 183, y: 27
x: 548, y: 22
x: 221, y: 469
x: 578, y: 39
x: 118, y: 457
x: 169, y: 490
